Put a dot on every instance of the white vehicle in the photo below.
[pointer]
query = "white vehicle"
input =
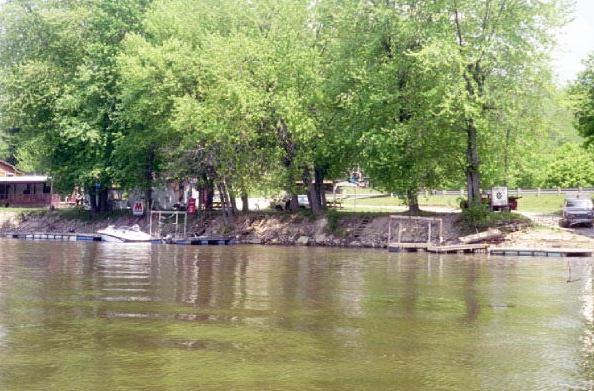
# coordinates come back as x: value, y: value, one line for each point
x: 124, y: 234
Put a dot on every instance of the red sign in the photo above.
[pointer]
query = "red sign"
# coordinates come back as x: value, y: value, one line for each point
x: 138, y: 208
x: 191, y: 209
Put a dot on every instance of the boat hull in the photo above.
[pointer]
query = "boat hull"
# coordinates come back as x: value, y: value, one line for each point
x: 124, y: 235
x: 115, y: 239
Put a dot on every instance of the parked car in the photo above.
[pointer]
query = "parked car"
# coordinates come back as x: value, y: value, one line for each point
x: 577, y: 211
x: 284, y: 202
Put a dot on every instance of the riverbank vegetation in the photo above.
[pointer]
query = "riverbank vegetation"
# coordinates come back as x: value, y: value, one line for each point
x: 263, y: 96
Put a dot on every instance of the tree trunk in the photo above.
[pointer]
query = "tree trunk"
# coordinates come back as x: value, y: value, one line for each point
x: 412, y: 199
x: 244, y: 202
x: 233, y: 202
x: 312, y: 196
x: 210, y: 191
x: 506, y: 155
x: 319, y: 188
x: 224, y: 205
x: 93, y: 199
x: 294, y: 203
x: 148, y: 177
x: 103, y: 198
x: 472, y: 168
x: 206, y: 193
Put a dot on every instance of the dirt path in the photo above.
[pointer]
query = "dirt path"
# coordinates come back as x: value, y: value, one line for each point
x: 548, y: 233
x: 6, y: 217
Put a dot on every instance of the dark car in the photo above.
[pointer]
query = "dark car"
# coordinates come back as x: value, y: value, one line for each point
x: 577, y: 211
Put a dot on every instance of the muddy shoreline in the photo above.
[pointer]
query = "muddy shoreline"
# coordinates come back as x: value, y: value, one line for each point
x: 270, y: 228
x: 345, y: 230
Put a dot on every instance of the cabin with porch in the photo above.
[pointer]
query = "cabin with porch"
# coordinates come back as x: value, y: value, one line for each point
x: 27, y: 191
x: 20, y: 190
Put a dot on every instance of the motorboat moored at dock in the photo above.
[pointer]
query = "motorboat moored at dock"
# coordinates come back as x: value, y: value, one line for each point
x: 124, y: 234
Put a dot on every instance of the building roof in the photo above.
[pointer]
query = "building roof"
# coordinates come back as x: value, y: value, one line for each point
x: 5, y: 163
x: 24, y: 179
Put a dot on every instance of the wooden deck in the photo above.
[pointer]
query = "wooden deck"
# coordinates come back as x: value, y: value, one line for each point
x: 541, y: 252
x: 486, y: 249
x: 460, y: 249
x: 432, y: 248
x: 407, y: 247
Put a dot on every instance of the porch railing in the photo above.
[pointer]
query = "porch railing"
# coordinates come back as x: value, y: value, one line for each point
x: 30, y: 199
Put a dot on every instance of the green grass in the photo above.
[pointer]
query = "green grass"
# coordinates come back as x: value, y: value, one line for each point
x: 545, y: 203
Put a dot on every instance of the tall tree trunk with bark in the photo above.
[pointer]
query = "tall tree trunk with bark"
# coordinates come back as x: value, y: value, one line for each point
x: 232, y: 201
x: 103, y: 199
x: 319, y: 187
x: 472, y: 165
x: 294, y: 203
x: 413, y: 202
x: 148, y: 177
x: 206, y: 193
x: 224, y: 202
x: 312, y: 196
x: 245, y: 207
x: 93, y: 199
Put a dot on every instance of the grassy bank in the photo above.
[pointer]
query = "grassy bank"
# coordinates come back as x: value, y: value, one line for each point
x: 545, y: 203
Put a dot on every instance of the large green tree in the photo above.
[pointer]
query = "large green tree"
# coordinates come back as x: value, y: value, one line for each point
x: 582, y: 92
x: 490, y: 46
x: 58, y: 86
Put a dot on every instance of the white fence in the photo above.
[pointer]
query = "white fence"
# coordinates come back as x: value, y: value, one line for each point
x: 463, y: 192
x: 512, y: 192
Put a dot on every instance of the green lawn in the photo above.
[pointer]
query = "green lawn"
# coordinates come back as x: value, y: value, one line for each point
x: 547, y: 203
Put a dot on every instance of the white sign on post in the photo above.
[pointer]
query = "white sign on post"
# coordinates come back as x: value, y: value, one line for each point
x: 499, y: 196
x: 138, y: 208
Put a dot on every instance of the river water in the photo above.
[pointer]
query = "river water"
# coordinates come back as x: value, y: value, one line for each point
x: 102, y: 316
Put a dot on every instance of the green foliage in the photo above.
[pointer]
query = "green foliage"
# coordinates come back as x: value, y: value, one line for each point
x: 475, y: 216
x: 58, y: 84
x: 478, y: 217
x: 571, y: 166
x: 333, y: 218
x: 260, y: 95
x: 582, y: 93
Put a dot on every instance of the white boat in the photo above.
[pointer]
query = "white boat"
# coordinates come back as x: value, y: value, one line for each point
x: 124, y: 234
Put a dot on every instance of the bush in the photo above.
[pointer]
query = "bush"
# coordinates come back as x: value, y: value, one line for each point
x: 475, y: 216
x: 478, y: 217
x: 333, y: 220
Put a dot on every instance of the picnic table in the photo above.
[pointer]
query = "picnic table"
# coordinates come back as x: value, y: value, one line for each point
x: 334, y: 204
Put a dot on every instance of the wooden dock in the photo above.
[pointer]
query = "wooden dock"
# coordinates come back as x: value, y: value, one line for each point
x: 486, y: 249
x: 407, y: 247
x: 541, y: 252
x: 432, y: 248
x: 460, y: 249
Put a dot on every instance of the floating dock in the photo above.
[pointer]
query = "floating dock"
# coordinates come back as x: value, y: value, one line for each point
x: 72, y: 237
x: 541, y: 252
x: 407, y: 247
x: 486, y: 249
x: 460, y: 249
x: 432, y: 248
x: 205, y: 241
x: 68, y: 237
